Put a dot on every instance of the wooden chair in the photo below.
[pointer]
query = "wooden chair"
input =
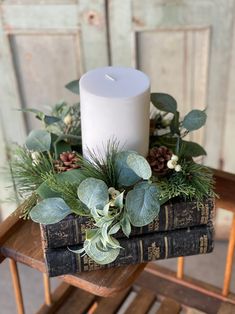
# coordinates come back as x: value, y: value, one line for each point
x: 104, y: 291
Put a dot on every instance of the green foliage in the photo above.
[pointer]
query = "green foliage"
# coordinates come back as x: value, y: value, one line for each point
x: 48, y: 120
x: 67, y: 190
x: 63, y: 123
x: 142, y: 204
x: 93, y: 193
x: 195, y: 181
x: 38, y: 141
x: 102, y: 168
x: 170, y: 130
x: 139, y: 165
x: 72, y: 177
x: 194, y: 120
x: 73, y: 87
x: 125, y: 175
x: 50, y: 211
x: 27, y: 172
x: 191, y: 149
x: 164, y: 102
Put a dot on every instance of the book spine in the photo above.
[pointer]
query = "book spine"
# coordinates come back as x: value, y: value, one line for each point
x: 197, y: 240
x: 71, y: 230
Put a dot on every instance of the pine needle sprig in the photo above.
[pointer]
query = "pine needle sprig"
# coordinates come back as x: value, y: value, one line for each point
x: 102, y: 167
x: 68, y: 192
x: 195, y: 181
x: 27, y: 174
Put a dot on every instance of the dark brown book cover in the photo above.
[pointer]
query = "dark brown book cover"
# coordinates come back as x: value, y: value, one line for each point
x: 150, y: 247
x: 172, y: 215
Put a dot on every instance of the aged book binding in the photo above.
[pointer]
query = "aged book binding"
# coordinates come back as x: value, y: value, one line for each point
x: 145, y: 248
x: 172, y: 215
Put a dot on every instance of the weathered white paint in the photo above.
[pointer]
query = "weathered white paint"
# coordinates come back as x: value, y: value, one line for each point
x: 44, y: 45
x: 185, y: 47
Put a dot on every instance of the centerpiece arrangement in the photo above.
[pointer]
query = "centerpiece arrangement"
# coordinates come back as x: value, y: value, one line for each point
x: 109, y: 186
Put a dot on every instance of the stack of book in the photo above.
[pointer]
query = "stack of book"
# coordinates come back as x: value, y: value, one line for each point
x: 181, y: 229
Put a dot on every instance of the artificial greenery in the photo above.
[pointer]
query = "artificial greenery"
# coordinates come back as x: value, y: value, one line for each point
x: 117, y: 191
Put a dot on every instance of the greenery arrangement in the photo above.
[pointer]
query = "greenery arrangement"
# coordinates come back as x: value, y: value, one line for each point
x: 118, y: 191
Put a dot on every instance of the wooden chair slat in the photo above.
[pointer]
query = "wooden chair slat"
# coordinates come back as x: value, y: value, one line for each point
x: 226, y: 308
x: 190, y: 292
x: 78, y: 302
x: 24, y: 245
x: 142, y: 302
x: 169, y: 306
x: 59, y: 296
x: 111, y: 305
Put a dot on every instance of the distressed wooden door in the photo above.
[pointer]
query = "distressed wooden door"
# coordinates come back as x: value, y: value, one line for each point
x: 187, y: 49
x: 43, y: 46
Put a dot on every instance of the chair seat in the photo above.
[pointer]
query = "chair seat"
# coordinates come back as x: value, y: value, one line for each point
x: 24, y: 245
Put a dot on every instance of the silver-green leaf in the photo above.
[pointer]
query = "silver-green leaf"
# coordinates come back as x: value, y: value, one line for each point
x: 194, y: 120
x: 164, y: 102
x: 101, y: 255
x: 73, y: 86
x: 50, y: 211
x: 142, y: 204
x: 93, y: 193
x: 140, y: 166
x: 39, y: 141
x: 125, y: 175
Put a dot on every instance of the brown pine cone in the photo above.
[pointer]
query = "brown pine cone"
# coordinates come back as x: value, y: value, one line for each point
x: 67, y: 161
x: 158, y: 158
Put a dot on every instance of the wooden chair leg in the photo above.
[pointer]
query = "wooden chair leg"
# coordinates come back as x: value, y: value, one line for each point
x: 180, y: 267
x: 47, y: 290
x: 16, y: 286
x: 229, y: 260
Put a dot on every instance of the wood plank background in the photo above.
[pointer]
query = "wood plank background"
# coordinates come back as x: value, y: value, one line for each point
x: 186, y: 47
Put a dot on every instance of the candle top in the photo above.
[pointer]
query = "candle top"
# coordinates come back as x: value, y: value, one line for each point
x: 115, y: 82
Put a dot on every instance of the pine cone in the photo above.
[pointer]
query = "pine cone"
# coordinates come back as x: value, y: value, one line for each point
x: 67, y: 161
x: 158, y: 158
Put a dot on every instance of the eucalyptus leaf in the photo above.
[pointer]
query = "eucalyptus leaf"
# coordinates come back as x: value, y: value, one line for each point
x: 44, y: 191
x: 100, y: 254
x: 50, y: 211
x: 74, y: 176
x: 60, y: 147
x: 38, y: 114
x: 50, y: 119
x: 191, y: 149
x: 73, y: 87
x: 194, y: 120
x: 39, y: 141
x: 140, y: 166
x: 126, y: 226
x: 164, y: 102
x: 125, y: 175
x: 93, y: 193
x: 142, y: 204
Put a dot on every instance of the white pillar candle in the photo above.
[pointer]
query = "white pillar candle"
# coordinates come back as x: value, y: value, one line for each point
x: 115, y: 104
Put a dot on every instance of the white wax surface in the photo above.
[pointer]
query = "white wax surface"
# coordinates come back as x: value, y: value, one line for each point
x: 115, y: 104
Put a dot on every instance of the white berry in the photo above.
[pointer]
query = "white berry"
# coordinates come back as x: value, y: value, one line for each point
x: 171, y: 164
x: 68, y: 119
x: 111, y: 190
x: 115, y: 193
x: 174, y: 157
x: 178, y: 168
